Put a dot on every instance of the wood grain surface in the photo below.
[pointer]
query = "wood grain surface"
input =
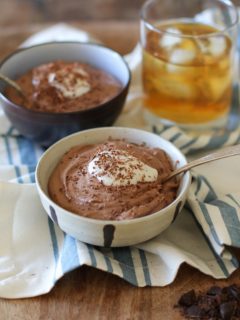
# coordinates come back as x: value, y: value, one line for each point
x: 87, y: 293
x: 120, y: 36
x: 39, y: 11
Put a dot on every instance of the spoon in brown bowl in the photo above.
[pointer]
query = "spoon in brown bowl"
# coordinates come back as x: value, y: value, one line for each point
x: 223, y: 153
x: 13, y: 84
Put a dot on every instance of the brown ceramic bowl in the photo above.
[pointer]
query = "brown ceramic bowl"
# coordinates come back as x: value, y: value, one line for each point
x: 46, y: 128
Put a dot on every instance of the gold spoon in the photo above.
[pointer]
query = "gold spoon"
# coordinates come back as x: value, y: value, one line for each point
x: 223, y: 153
x: 13, y: 84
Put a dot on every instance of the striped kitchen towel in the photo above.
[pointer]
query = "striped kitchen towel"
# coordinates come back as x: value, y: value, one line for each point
x: 35, y: 253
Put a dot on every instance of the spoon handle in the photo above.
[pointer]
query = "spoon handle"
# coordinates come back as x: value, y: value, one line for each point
x: 223, y: 153
x: 11, y: 83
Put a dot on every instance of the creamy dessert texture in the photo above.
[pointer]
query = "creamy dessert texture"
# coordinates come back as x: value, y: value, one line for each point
x: 62, y: 86
x: 114, y: 180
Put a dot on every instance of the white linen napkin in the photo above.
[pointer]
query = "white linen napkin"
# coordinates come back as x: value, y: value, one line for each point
x: 35, y: 253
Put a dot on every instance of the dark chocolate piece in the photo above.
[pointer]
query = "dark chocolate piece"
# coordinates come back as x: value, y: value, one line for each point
x: 215, y: 304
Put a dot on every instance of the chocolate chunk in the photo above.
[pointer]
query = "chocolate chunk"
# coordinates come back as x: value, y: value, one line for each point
x: 213, y: 291
x: 212, y: 313
x: 227, y: 310
x: 234, y: 291
x: 195, y: 312
x: 215, y: 304
x: 188, y: 299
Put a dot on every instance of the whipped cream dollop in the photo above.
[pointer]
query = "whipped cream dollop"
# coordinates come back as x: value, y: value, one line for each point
x: 118, y: 168
x: 71, y: 83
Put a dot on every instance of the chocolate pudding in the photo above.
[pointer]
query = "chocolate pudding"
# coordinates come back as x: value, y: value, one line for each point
x: 62, y: 86
x: 114, y: 180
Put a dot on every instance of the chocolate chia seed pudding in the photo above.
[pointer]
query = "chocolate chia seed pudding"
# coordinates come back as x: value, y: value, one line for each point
x: 62, y: 86
x: 115, y: 180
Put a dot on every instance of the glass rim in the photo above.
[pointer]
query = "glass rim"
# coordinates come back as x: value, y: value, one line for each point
x: 227, y: 3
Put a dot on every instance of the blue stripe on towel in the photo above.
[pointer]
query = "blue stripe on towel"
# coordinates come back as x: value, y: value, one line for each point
x: 217, y: 141
x: 198, y: 187
x: 69, y: 257
x: 10, y: 159
x: 104, y: 251
x: 233, y: 199
x: 145, y: 267
x: 27, y: 155
x: 189, y: 143
x: 10, y: 130
x: 211, y: 193
x: 92, y: 255
x: 9, y: 154
x: 32, y: 177
x: 31, y: 170
x: 209, y: 221
x: 235, y: 262
x: 54, y: 245
x: 27, y: 151
x: 217, y: 257
x: 230, y: 219
x: 124, y: 258
x: 210, y: 197
x: 157, y: 130
x: 18, y: 174
x: 108, y: 263
x: 175, y: 137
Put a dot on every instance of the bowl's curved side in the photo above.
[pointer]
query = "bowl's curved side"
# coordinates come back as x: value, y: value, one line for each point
x: 112, y: 233
x: 46, y: 129
x: 109, y: 233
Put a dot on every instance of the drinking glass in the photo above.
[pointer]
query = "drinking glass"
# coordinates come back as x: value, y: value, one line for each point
x: 188, y: 64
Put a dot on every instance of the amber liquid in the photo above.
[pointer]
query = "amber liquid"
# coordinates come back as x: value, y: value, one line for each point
x: 187, y: 80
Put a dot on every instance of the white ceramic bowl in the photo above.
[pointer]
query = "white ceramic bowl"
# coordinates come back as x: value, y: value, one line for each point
x: 106, y: 232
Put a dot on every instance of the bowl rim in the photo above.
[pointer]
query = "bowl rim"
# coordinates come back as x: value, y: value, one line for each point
x: 150, y: 216
x: 90, y: 44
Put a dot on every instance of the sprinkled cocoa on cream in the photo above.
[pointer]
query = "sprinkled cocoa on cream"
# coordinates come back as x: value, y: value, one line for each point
x: 62, y: 86
x: 119, y: 168
x: 115, y: 180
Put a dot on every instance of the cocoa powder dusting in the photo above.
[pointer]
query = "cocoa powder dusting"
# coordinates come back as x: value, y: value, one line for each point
x: 42, y: 96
